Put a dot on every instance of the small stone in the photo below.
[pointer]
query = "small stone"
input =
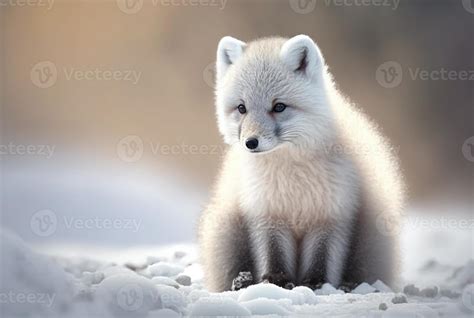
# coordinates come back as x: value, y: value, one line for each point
x: 179, y: 254
x: 184, y: 280
x: 411, y: 290
x: 430, y: 292
x: 243, y: 280
x: 400, y: 299
x: 383, y: 306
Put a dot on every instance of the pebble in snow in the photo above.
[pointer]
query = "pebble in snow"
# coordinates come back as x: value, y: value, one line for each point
x: 184, y: 280
x: 400, y: 299
x: 383, y: 306
x: 179, y: 254
x: 430, y: 292
x: 411, y: 290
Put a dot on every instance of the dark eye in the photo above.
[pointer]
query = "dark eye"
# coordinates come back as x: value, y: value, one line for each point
x: 242, y: 109
x: 278, y: 108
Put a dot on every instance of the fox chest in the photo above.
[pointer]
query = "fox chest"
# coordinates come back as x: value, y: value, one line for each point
x: 297, y: 195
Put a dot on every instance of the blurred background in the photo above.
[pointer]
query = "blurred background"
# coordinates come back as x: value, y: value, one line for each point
x: 108, y: 130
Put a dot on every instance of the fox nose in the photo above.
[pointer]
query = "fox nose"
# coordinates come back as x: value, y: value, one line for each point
x: 252, y: 143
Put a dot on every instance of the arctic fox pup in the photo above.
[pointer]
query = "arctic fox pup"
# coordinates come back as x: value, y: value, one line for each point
x: 310, y: 191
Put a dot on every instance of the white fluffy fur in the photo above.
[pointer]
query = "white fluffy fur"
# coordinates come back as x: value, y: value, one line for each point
x: 330, y: 168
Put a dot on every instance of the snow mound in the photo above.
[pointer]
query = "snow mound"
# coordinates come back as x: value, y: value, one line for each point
x: 364, y: 289
x: 264, y: 306
x: 76, y: 288
x: 30, y: 282
x: 165, y: 269
x: 271, y: 291
x: 328, y: 289
x: 129, y: 293
x: 218, y: 306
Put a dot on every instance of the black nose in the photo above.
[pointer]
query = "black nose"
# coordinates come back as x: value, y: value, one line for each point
x: 252, y: 143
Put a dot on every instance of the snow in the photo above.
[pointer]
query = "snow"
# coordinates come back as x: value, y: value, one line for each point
x: 327, y: 289
x: 364, y: 289
x: 76, y: 272
x: 165, y: 269
x: 218, y: 306
x: 79, y: 287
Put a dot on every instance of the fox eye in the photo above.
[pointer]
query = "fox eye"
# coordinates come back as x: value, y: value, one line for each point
x: 278, y: 107
x: 242, y: 109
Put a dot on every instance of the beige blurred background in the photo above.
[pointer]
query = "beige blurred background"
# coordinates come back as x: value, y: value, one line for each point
x: 170, y: 46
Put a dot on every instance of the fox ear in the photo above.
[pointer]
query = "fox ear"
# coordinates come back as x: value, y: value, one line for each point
x: 228, y: 52
x: 302, y: 55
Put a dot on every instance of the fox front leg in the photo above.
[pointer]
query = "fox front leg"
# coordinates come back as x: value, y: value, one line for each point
x: 274, y: 248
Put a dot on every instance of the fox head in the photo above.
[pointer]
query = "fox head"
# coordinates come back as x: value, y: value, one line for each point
x: 272, y: 93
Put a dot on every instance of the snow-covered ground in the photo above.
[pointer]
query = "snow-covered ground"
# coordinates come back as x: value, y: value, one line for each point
x: 94, y: 269
x: 167, y: 282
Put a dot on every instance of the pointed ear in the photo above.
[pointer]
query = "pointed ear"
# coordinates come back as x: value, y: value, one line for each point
x: 302, y: 55
x: 228, y: 52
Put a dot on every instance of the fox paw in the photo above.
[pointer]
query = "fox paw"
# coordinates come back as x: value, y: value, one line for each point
x: 312, y: 284
x: 243, y: 280
x: 279, y: 279
x: 347, y: 287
